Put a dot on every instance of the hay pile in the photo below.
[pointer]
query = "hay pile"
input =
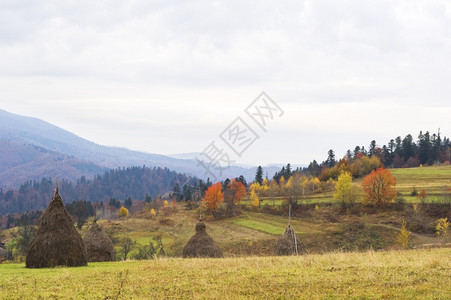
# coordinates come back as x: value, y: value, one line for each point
x: 289, y: 244
x: 57, y: 242
x: 201, y: 244
x: 98, y: 245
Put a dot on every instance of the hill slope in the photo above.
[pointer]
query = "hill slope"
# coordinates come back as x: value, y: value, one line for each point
x: 18, y: 131
x: 21, y: 162
x: 134, y: 182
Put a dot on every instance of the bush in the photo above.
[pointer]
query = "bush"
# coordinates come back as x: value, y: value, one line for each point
x: 403, y: 239
x: 123, y: 212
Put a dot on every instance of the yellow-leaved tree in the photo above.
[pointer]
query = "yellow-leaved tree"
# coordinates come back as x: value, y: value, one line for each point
x: 344, y: 190
x: 123, y: 212
x: 282, y: 183
x: 255, y: 201
x: 441, y: 228
x: 403, y: 238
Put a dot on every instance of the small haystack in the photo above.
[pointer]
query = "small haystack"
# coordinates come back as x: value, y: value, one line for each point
x: 57, y: 242
x: 98, y: 245
x: 201, y: 244
x: 289, y: 244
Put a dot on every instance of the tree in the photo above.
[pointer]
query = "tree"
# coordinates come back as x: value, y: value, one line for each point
x: 344, y: 189
x: 214, y: 196
x: 123, y: 212
x: 403, y: 238
x: 115, y: 203
x: 127, y: 245
x: 80, y: 211
x: 259, y: 175
x: 441, y: 228
x: 148, y: 198
x: 24, y: 236
x: 238, y: 189
x: 255, y: 201
x: 422, y: 196
x: 330, y: 162
x: 282, y: 185
x: 379, y: 187
x: 372, y: 148
x: 128, y: 203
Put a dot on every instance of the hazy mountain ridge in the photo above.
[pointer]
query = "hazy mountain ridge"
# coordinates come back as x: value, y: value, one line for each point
x: 21, y: 162
x: 32, y: 149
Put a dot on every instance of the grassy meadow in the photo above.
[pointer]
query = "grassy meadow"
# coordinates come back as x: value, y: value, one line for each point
x: 414, y: 274
x: 344, y: 260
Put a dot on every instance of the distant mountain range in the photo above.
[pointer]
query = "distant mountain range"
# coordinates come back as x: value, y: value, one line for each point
x: 31, y: 149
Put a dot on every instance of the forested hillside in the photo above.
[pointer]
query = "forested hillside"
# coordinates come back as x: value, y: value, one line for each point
x: 134, y: 182
x: 428, y: 149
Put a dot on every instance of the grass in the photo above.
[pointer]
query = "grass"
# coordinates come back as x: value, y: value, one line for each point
x: 432, y: 179
x: 260, y: 226
x: 414, y: 274
x: 391, y: 274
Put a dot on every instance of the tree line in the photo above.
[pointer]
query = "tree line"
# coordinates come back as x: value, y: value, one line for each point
x: 123, y: 183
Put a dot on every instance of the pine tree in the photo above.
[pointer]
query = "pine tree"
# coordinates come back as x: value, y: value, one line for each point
x: 259, y: 175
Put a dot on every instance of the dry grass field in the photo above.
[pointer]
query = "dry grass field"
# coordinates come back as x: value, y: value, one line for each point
x: 411, y: 274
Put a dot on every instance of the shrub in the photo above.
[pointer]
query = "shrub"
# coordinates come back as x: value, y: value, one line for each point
x: 403, y: 239
x: 123, y: 212
x: 442, y: 227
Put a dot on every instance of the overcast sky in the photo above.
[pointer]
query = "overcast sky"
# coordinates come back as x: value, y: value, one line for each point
x: 170, y: 76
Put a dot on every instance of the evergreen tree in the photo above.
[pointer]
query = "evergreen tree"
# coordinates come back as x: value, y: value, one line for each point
x: 259, y: 175
x: 356, y: 151
x: 330, y: 161
x: 424, y: 148
x: 128, y: 203
x: 372, y: 148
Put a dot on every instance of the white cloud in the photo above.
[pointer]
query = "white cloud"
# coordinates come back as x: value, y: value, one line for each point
x: 177, y: 73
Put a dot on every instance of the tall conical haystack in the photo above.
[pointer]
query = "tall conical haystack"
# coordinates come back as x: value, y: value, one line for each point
x: 289, y: 244
x: 201, y: 244
x: 98, y: 245
x: 57, y: 242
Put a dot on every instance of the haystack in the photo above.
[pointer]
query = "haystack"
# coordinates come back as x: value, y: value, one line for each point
x: 289, y: 244
x: 57, y: 242
x: 98, y: 245
x: 201, y: 244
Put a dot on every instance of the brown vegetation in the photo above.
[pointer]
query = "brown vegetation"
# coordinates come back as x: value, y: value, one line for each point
x: 57, y: 242
x: 289, y: 244
x: 201, y: 244
x: 98, y: 245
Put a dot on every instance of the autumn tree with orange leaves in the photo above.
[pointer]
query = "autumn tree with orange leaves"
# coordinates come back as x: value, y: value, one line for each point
x: 379, y: 188
x: 238, y: 189
x: 214, y: 196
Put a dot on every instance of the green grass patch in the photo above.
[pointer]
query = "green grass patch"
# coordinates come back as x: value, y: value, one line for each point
x: 260, y: 226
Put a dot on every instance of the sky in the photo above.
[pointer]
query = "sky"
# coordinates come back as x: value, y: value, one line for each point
x: 170, y: 76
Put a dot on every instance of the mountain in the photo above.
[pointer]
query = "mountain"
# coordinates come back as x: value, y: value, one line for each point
x: 23, y: 162
x: 32, y: 149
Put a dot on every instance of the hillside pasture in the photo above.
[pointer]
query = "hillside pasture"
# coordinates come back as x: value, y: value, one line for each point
x: 413, y: 274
